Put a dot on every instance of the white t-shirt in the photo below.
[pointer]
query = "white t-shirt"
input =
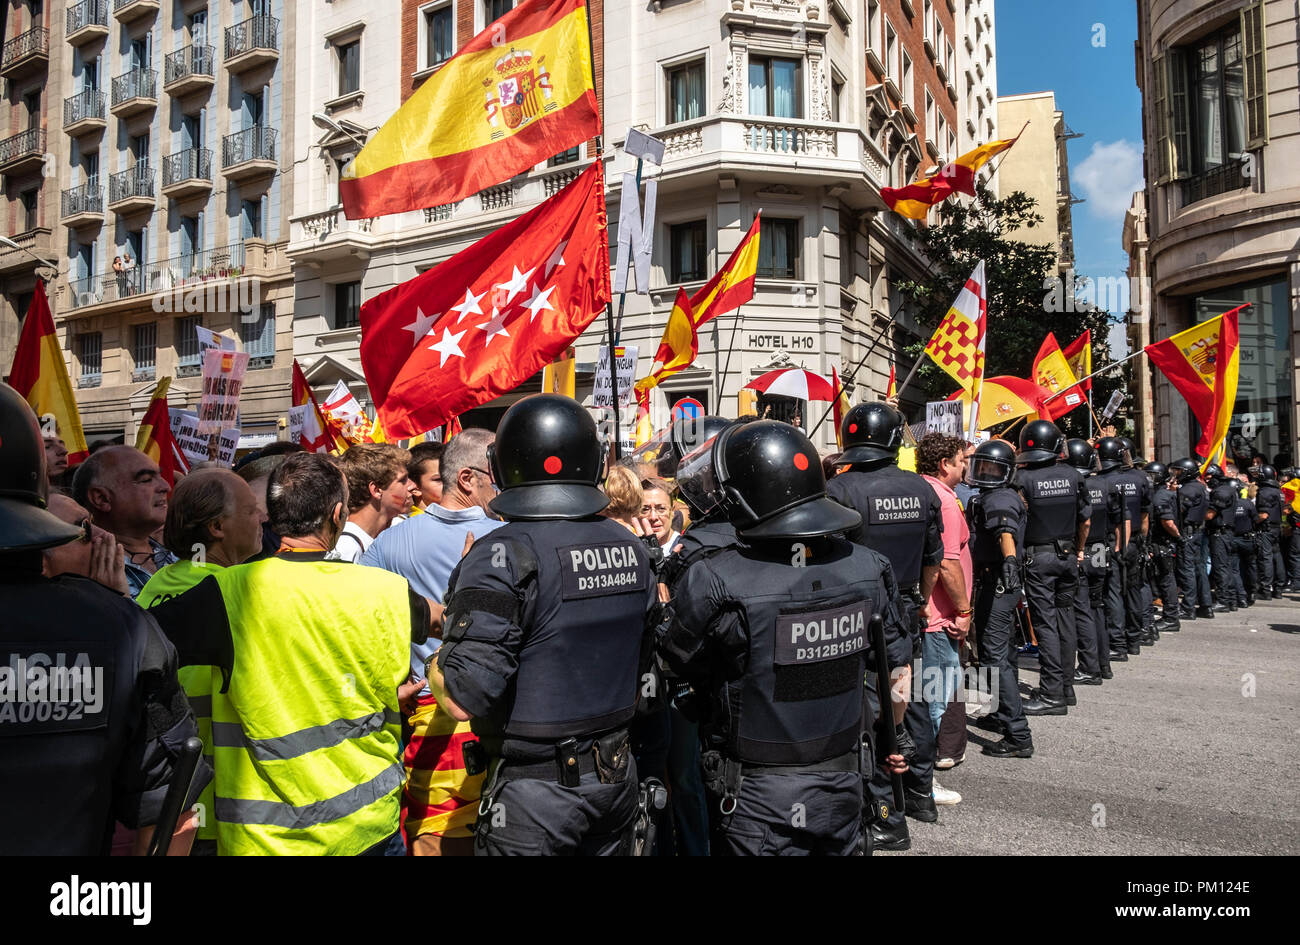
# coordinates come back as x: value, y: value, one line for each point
x: 352, y: 544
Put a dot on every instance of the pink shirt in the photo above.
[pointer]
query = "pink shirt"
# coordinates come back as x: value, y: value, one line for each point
x: 956, y: 546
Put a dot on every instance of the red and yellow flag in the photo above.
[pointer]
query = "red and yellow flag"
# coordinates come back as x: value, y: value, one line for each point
x: 1052, y: 371
x: 1203, y: 363
x: 314, y: 436
x: 956, y: 177
x: 518, y: 93
x: 154, y: 438
x: 560, y: 376
x: 1079, y: 354
x: 40, y: 374
x: 840, y: 406
x: 958, y: 343
x: 733, y: 285
x: 891, y: 389
x: 679, y: 347
x: 1005, y: 398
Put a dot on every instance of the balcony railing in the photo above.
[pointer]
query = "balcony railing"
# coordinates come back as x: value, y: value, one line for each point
x: 135, y: 181
x: 189, y: 61
x: 83, y: 105
x: 258, y: 32
x: 32, y: 43
x: 138, y: 83
x: 29, y: 142
x: 88, y: 198
x: 251, y: 144
x: 87, y: 13
x: 1215, y: 181
x: 191, y: 164
x: 789, y: 138
x: 168, y: 275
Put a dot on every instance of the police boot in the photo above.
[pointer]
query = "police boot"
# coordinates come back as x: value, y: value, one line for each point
x: 1148, y: 637
x: 885, y: 837
x: 1187, y: 613
x: 1107, y: 672
x: 921, y: 806
x: 1250, y: 598
x: 1087, y: 679
x: 1204, y: 613
x: 1168, y: 623
x: 1044, y: 705
x: 1220, y: 608
x: 1119, y: 656
x: 1277, y: 593
x: 1009, y: 749
x: 1071, y: 698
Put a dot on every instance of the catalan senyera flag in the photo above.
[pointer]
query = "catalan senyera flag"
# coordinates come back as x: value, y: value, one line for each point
x: 40, y: 374
x: 154, y: 438
x: 840, y: 406
x: 315, y: 437
x: 958, y: 343
x: 1004, y: 398
x: 518, y: 93
x: 956, y: 177
x: 1052, y: 371
x: 1079, y: 354
x: 679, y: 347
x: 1203, y: 363
x: 733, y: 285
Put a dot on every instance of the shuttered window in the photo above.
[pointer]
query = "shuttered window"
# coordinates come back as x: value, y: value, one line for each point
x: 1256, y: 69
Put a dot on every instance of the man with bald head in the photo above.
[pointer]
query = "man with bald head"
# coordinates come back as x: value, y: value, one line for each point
x: 127, y: 496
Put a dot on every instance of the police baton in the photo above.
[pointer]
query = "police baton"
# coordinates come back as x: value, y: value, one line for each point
x: 174, y: 800
x: 888, y: 728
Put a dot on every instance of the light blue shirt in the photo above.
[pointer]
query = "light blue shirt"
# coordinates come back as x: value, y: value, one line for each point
x: 425, y: 549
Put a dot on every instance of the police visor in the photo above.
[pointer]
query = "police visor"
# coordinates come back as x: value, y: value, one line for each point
x: 987, y: 471
x: 697, y: 479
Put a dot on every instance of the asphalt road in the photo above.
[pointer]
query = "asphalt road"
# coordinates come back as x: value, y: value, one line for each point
x: 1172, y: 756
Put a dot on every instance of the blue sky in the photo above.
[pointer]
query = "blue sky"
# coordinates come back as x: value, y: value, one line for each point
x: 1083, y: 51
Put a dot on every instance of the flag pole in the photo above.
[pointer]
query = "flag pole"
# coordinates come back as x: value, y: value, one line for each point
x: 722, y: 378
x: 1089, y: 377
x: 861, y: 361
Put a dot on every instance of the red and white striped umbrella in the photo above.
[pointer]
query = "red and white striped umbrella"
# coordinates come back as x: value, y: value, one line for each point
x: 794, y: 382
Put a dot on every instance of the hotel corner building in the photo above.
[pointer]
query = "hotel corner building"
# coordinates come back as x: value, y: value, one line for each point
x: 1221, y: 122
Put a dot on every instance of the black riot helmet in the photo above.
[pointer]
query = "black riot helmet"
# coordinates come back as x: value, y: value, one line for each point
x: 871, y: 432
x: 1110, y: 453
x: 771, y: 484
x: 1214, y: 474
x: 1158, y: 472
x: 688, y: 434
x: 1080, y: 454
x: 1184, y: 470
x: 993, y: 464
x: 1267, y: 475
x: 25, y: 525
x: 1040, y: 442
x: 547, y: 460
x: 1128, y: 457
x: 1288, y: 474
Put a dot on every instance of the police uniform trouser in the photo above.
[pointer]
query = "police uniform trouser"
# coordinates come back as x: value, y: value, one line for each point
x: 1164, y: 565
x: 1145, y: 569
x: 1086, y: 626
x: 1221, y: 579
x: 1092, y: 581
x: 1134, y: 604
x: 1268, y: 561
x: 1193, y: 582
x: 1245, y: 564
x: 1293, y: 557
x: 1051, y: 580
x: 1113, y: 601
x: 818, y: 813
x: 995, y: 620
x: 537, y: 817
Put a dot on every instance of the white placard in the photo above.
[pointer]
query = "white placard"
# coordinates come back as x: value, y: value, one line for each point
x: 635, y: 234
x: 944, y: 416
x: 603, y: 394
x: 223, y: 379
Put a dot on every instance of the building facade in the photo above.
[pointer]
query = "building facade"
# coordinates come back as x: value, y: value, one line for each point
x: 1136, y: 244
x: 1040, y: 166
x: 977, y: 80
x: 1221, y: 121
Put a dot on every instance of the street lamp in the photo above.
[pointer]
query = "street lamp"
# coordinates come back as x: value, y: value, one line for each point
x: 6, y: 241
x: 327, y: 122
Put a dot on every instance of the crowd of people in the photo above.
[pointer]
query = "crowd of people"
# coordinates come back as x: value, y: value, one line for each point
x: 506, y: 644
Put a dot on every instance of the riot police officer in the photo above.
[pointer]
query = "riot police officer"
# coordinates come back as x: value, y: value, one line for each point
x: 1138, y: 612
x: 996, y: 515
x: 902, y: 520
x: 1124, y: 640
x: 542, y: 645
x: 1055, y: 533
x: 1268, y: 503
x: 1218, y: 527
x: 1165, y: 539
x: 775, y: 630
x: 95, y: 731
x: 1093, y: 635
x: 1193, y: 504
x: 1243, y: 545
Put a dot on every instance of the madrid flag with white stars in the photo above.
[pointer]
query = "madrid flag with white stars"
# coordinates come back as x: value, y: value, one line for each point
x: 483, y: 322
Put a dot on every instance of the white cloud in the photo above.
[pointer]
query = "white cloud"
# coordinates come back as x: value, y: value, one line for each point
x: 1108, y: 176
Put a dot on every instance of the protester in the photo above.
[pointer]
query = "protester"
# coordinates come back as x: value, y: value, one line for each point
x: 56, y: 462
x: 95, y: 554
x: 441, y: 798
x: 379, y: 489
x: 625, y: 497
x: 127, y: 496
x: 425, y: 470
x: 255, y: 469
x: 657, y: 506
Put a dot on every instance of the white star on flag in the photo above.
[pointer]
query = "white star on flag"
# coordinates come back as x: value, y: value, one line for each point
x: 539, y: 302
x: 557, y: 258
x: 469, y: 305
x: 516, y: 284
x: 420, y: 327
x: 497, y: 326
x: 449, y: 346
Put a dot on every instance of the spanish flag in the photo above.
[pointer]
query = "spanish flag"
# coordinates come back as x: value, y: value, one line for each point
x: 40, y: 374
x: 1006, y: 398
x: 154, y: 438
x: 560, y: 376
x: 1052, y: 370
x: 891, y: 389
x: 518, y: 93
x: 1079, y: 354
x: 840, y: 405
x: 733, y: 285
x: 1203, y: 363
x: 956, y: 177
x: 679, y: 347
x: 314, y: 437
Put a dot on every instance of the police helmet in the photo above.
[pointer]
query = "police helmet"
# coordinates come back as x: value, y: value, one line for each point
x: 688, y: 433
x: 768, y: 479
x: 1158, y: 472
x: 547, y: 460
x: 1110, y: 453
x: 25, y: 525
x: 1184, y: 470
x: 1288, y: 474
x: 870, y: 432
x: 993, y: 464
x: 1040, y: 442
x: 1214, y: 474
x: 1128, y: 456
x: 1080, y: 454
x: 1267, y: 474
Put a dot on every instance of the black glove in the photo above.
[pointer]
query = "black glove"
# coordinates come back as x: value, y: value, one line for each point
x: 655, y: 551
x: 906, y: 747
x: 1010, y: 574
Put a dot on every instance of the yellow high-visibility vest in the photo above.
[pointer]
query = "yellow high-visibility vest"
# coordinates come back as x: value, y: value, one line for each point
x: 307, y: 739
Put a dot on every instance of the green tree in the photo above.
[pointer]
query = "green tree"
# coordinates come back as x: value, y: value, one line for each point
x: 1026, y: 299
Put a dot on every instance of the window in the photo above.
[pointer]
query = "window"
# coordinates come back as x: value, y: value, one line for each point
x: 439, y: 35
x: 30, y: 199
x: 685, y: 91
x: 688, y: 244
x: 144, y: 351
x: 251, y: 219
x: 90, y: 75
x: 774, y: 87
x: 347, y: 305
x: 778, y: 249
x: 191, y: 242
x: 948, y: 62
x: 929, y: 21
x: 188, y: 362
x: 873, y: 27
x: 891, y: 52
x: 32, y: 105
x: 938, y: 42
x: 1217, y: 102
x: 140, y: 148
x: 350, y: 67
x: 495, y: 9
x: 90, y: 168
x: 906, y: 83
x: 929, y: 119
x: 564, y: 157
x: 90, y: 354
x: 257, y: 332
x: 837, y: 99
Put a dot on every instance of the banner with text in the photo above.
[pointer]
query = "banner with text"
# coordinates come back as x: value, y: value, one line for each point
x: 223, y: 379
x: 625, y: 358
